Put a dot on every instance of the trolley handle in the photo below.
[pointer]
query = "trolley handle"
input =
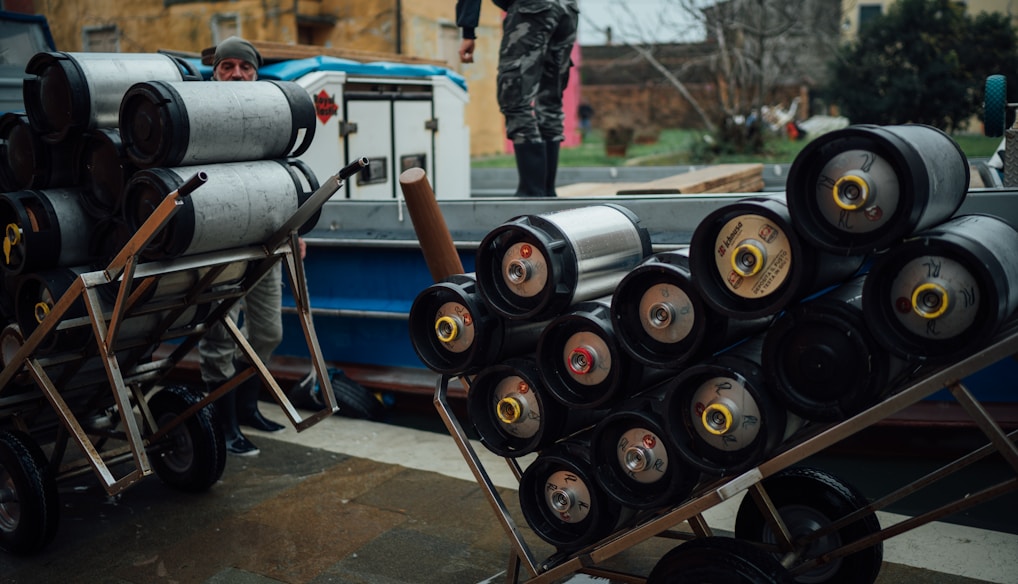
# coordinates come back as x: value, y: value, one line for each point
x: 353, y: 168
x: 193, y: 183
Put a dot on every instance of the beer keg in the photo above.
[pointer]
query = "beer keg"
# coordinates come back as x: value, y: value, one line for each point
x: 105, y: 171
x: 821, y: 361
x: 634, y: 461
x: 535, y: 266
x: 453, y: 332
x: 243, y: 203
x: 512, y: 413
x: 721, y: 415
x: 582, y: 363
x: 169, y: 124
x: 863, y: 188
x: 68, y: 93
x: 44, y: 229
x: 661, y: 320
x: 747, y: 261
x: 29, y: 162
x: 945, y: 291
x: 561, y: 501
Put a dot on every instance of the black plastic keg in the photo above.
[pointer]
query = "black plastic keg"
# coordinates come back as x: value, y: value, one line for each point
x: 168, y: 124
x: 747, y: 261
x: 721, y: 415
x: 512, y: 412
x: 36, y: 295
x: 105, y: 171
x: 863, y: 188
x: 29, y: 162
x: 945, y: 291
x: 562, y: 502
x: 634, y: 460
x: 69, y: 93
x: 821, y: 361
x: 536, y: 266
x: 453, y: 332
x: 582, y: 363
x: 661, y: 320
x: 242, y: 203
x: 44, y: 229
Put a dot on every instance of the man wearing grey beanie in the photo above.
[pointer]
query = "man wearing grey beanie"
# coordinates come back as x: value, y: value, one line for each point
x: 237, y: 60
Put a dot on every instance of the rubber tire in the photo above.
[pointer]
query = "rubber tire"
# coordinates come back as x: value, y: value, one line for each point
x: 192, y: 457
x: 28, y: 528
x: 817, y: 496
x: 995, y: 106
x: 719, y: 560
x: 355, y: 401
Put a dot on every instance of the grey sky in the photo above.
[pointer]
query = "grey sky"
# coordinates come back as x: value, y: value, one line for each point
x: 656, y: 20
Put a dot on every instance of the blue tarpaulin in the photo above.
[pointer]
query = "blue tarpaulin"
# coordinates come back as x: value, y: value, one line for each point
x: 296, y: 68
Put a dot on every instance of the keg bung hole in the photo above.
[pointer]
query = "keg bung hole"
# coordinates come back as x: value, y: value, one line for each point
x: 930, y: 300
x: 447, y: 329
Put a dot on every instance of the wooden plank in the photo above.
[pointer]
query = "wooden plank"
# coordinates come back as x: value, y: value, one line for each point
x: 593, y: 189
x: 717, y: 178
x: 272, y: 52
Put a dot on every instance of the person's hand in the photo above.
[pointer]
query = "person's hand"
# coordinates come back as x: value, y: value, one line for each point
x: 467, y: 51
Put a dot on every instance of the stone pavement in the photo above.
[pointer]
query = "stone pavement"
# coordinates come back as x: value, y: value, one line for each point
x: 307, y: 511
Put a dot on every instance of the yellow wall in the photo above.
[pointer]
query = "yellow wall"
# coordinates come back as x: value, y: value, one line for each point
x: 427, y: 31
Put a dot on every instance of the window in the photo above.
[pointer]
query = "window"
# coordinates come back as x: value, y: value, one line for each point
x: 100, y: 39
x: 868, y: 12
x: 225, y: 26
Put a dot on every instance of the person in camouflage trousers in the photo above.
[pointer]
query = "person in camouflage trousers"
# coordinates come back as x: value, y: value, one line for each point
x: 533, y: 70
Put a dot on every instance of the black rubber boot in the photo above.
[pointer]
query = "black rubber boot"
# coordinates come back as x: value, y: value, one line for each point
x: 236, y: 443
x: 551, y: 167
x: 247, y: 407
x: 532, y: 167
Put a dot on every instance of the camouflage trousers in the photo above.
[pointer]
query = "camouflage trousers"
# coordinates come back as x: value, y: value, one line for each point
x: 533, y: 68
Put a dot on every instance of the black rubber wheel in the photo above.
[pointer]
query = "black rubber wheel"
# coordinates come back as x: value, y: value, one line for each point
x: 995, y: 106
x: 29, y: 510
x: 192, y: 456
x: 718, y: 560
x: 808, y: 499
x: 355, y: 401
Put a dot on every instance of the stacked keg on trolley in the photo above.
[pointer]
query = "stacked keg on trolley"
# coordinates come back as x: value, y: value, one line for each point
x: 640, y: 377
x: 104, y: 139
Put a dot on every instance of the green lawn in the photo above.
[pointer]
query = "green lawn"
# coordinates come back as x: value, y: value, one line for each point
x: 676, y: 147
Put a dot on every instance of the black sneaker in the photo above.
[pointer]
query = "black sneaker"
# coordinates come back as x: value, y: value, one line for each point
x: 241, y: 446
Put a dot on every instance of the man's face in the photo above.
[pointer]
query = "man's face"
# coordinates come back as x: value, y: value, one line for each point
x: 234, y: 70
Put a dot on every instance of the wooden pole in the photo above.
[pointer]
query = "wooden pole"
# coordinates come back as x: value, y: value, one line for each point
x: 432, y: 233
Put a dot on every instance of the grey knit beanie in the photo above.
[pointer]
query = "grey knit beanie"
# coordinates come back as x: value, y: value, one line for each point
x: 237, y: 48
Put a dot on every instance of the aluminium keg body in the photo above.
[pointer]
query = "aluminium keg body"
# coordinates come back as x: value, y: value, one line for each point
x: 945, y: 291
x: 562, y: 502
x: 662, y: 321
x: 29, y: 162
x: 453, y: 332
x: 170, y: 124
x: 635, y: 462
x: 821, y: 361
x: 535, y: 266
x: 512, y: 413
x: 242, y: 203
x: 863, y: 188
x: 748, y: 262
x: 720, y: 415
x: 582, y: 363
x: 75, y: 92
x: 45, y: 229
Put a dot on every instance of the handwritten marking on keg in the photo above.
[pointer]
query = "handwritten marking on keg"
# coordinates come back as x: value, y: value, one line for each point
x: 931, y: 328
x: 969, y: 297
x: 933, y: 267
x: 826, y: 182
x: 325, y: 106
x: 868, y: 159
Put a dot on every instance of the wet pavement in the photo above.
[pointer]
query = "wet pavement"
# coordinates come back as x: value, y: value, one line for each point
x: 356, y: 502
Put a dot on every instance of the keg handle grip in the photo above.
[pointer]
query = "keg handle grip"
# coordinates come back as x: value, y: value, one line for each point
x: 193, y: 183
x: 353, y: 168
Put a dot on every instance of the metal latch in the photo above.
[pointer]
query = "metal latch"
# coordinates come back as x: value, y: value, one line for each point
x: 346, y: 128
x: 431, y: 124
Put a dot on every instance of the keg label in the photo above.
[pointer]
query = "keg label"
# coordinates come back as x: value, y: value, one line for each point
x: 325, y: 106
x: 753, y: 256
